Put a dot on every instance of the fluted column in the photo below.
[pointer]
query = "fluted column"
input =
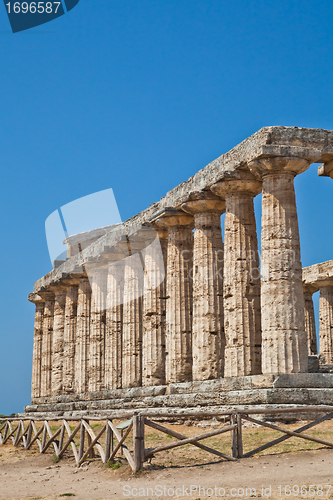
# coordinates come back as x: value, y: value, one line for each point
x: 58, y: 339
x: 70, y: 338
x: 47, y: 343
x: 132, y: 322
x: 96, y: 380
x: 154, y: 311
x: 179, y: 294
x: 326, y: 324
x: 284, y: 342
x: 82, y: 336
x: 208, y: 339
x: 114, y: 325
x: 326, y: 302
x: 37, y: 348
x: 310, y: 324
x: 242, y: 315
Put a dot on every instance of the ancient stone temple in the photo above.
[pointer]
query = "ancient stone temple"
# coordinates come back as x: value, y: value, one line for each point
x: 166, y: 311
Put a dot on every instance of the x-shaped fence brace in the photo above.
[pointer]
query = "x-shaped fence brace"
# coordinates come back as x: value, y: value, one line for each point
x: 45, y: 438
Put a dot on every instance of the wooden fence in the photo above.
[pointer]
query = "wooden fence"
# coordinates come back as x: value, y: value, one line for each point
x: 28, y: 432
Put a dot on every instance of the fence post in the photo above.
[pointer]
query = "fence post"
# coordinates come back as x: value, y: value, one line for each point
x: 44, y: 436
x: 239, y: 435
x: 19, y: 429
x: 61, y: 438
x: 5, y: 432
x: 138, y: 439
x: 82, y: 435
x: 142, y: 424
x: 29, y: 435
x: 236, y: 435
x: 108, y: 441
x: 89, y: 440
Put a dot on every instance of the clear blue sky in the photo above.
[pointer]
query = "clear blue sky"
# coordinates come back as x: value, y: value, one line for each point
x: 137, y: 96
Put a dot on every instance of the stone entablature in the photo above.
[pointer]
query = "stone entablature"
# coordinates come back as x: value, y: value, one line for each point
x: 102, y: 326
x: 315, y: 145
x: 81, y: 241
x: 318, y: 275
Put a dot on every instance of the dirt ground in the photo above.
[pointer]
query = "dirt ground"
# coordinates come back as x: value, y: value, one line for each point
x: 295, y: 471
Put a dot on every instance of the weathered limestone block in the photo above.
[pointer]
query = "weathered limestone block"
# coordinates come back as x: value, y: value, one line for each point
x: 318, y: 275
x: 284, y: 341
x: 326, y: 324
x: 79, y: 242
x: 82, y: 336
x: 132, y: 322
x: 114, y: 325
x: 326, y: 170
x: 154, y: 311
x: 208, y: 340
x: 37, y: 349
x: 47, y: 343
x: 58, y: 339
x: 179, y: 294
x: 97, y: 330
x: 242, y: 314
x: 310, y: 323
x: 256, y: 392
x: 70, y: 338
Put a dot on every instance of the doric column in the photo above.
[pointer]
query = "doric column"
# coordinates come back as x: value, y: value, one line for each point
x: 284, y: 342
x: 326, y: 324
x: 37, y: 349
x: 82, y: 336
x: 326, y: 300
x: 154, y: 311
x: 179, y: 294
x: 97, y: 330
x: 47, y: 343
x: 310, y: 324
x: 70, y: 337
x: 132, y: 322
x: 114, y: 325
x: 58, y: 339
x: 208, y: 340
x: 242, y: 313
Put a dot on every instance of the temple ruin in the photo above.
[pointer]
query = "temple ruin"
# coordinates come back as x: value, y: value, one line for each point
x: 115, y: 329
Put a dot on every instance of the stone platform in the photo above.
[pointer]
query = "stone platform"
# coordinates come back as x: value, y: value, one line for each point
x: 224, y: 394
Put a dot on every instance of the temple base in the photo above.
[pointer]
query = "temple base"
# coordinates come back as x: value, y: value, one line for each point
x: 262, y: 391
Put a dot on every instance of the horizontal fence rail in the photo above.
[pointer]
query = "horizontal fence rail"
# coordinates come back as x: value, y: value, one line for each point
x: 85, y: 444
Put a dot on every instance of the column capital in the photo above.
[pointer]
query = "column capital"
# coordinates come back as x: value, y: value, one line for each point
x: 244, y: 184
x: 58, y: 288
x: 35, y: 298
x: 96, y: 266
x: 308, y: 288
x: 273, y: 165
x: 204, y: 202
x: 162, y: 233
x: 171, y: 217
x: 46, y: 294
x: 118, y: 252
x: 326, y: 170
x: 84, y: 279
x: 72, y: 280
